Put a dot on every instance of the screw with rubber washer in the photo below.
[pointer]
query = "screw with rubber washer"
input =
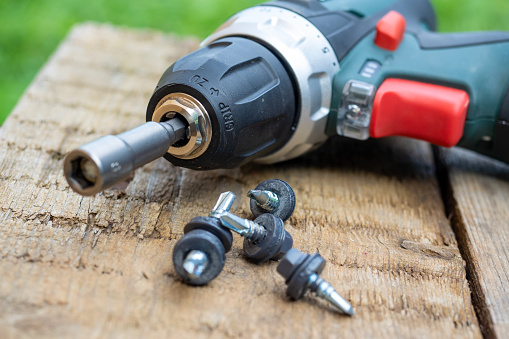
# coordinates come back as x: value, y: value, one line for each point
x: 302, y: 272
x: 264, y: 239
x: 199, y: 255
x: 272, y: 196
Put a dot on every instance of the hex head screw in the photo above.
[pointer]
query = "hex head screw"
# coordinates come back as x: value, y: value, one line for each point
x: 199, y: 255
x: 272, y: 196
x: 302, y: 273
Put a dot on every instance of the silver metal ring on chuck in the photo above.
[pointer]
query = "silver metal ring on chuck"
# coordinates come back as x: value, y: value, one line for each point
x: 199, y: 131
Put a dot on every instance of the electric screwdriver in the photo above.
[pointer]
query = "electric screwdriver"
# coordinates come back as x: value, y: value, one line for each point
x: 276, y: 80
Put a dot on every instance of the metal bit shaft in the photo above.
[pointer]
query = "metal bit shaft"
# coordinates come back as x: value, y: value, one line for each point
x: 266, y: 200
x: 325, y: 291
x: 246, y: 228
x: 103, y: 162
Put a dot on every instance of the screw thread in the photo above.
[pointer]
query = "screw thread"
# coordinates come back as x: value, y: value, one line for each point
x: 246, y: 228
x: 266, y: 200
x: 256, y: 232
x: 325, y: 291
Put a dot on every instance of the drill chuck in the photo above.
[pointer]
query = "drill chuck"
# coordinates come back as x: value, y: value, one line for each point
x: 247, y: 93
x: 103, y: 162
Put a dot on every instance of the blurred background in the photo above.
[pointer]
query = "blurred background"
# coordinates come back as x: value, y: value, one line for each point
x: 30, y: 30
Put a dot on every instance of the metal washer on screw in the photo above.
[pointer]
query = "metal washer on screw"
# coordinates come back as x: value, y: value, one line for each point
x: 285, y: 194
x: 297, y: 268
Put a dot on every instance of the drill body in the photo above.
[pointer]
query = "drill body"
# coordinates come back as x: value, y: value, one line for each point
x: 476, y: 63
x: 276, y: 80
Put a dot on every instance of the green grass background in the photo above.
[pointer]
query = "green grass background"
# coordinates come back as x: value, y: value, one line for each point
x: 31, y: 29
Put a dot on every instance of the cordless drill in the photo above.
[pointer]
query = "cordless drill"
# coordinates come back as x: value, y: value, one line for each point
x: 276, y: 80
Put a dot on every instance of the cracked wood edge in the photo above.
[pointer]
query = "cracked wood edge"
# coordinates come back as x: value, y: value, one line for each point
x: 477, y: 196
x: 100, y: 267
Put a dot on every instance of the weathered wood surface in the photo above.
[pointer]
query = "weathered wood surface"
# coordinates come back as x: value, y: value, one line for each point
x: 477, y: 195
x: 100, y: 267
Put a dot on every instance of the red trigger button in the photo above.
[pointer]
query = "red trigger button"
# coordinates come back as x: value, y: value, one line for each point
x: 390, y: 31
x: 419, y: 110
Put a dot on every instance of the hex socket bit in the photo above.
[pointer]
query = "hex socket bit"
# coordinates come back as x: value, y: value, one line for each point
x: 103, y: 162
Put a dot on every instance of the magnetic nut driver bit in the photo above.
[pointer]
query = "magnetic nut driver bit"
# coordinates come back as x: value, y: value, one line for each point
x: 101, y: 163
x: 199, y: 255
x: 302, y: 273
x: 264, y: 239
x: 272, y: 196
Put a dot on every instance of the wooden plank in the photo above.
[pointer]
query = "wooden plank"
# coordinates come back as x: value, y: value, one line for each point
x: 477, y: 192
x: 100, y: 267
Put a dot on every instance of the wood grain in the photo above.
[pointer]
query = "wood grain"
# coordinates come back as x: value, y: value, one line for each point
x: 100, y: 267
x: 478, y: 200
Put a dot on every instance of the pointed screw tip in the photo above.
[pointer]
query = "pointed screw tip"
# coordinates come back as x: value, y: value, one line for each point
x: 350, y: 311
x: 195, y: 264
x: 234, y: 223
x: 253, y: 193
x: 344, y: 307
x: 192, y: 270
x: 326, y: 291
x: 266, y: 200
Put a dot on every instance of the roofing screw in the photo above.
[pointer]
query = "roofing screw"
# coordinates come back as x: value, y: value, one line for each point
x: 272, y: 196
x: 199, y: 255
x: 264, y: 239
x: 302, y: 272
